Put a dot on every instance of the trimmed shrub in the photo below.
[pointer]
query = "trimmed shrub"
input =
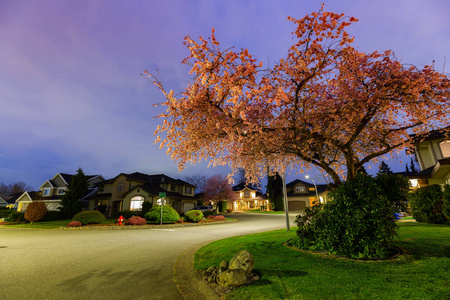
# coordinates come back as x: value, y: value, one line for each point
x: 446, y: 206
x: 222, y: 206
x: 427, y: 204
x: 229, y: 210
x: 210, y: 217
x: 170, y: 215
x: 89, y: 217
x: 304, y: 221
x: 16, y: 216
x: 35, y: 211
x: 207, y: 213
x: 136, y: 220
x: 53, y: 216
x: 219, y: 218
x: 180, y: 220
x: 193, y: 216
x: 5, y: 212
x: 358, y: 222
x: 74, y: 224
x: 126, y: 214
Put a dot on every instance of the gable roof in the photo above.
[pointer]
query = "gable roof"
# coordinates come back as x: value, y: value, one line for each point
x: 320, y: 187
x: 146, y: 178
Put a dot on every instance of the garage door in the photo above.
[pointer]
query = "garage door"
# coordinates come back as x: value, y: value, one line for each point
x: 296, y: 205
x: 188, y: 206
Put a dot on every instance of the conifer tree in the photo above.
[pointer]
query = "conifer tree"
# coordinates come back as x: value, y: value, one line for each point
x: 77, y: 188
x: 274, y: 190
x: 384, y: 168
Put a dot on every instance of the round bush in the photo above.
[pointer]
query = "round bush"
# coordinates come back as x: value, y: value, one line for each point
x: 74, y: 224
x: 170, y: 215
x: 210, y: 217
x: 5, y: 212
x: 35, y: 211
x: 126, y: 214
x: 219, y: 218
x: 193, y: 216
x: 427, y: 203
x: 136, y: 220
x: 207, y: 213
x: 358, y: 222
x: 88, y: 217
x: 446, y: 206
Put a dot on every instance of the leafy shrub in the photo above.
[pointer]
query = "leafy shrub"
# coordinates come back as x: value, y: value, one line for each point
x: 193, y: 216
x: 53, y: 215
x: 102, y: 208
x: 427, y: 204
x: 305, y: 223
x: 16, y: 216
x: 219, y: 218
x: 5, y: 212
x: 222, y: 206
x: 358, y: 222
x: 74, y: 224
x: 207, y: 213
x: 89, y: 216
x: 136, y: 220
x: 170, y: 215
x: 446, y: 206
x: 35, y: 211
x: 210, y: 217
x: 229, y: 210
x: 395, y: 187
x: 180, y: 220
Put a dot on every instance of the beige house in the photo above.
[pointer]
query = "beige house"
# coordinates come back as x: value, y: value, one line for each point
x: 51, y: 190
x: 247, y: 198
x: 433, y: 155
x: 129, y: 191
x: 301, y: 194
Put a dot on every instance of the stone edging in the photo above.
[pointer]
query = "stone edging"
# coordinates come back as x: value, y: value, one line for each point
x: 133, y: 227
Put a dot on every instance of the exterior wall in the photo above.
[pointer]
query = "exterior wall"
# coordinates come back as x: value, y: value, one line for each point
x: 58, y: 181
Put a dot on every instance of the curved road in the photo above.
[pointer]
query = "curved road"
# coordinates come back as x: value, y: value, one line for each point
x: 107, y: 264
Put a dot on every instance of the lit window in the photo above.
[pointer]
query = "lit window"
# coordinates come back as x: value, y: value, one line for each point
x: 413, y: 182
x: 300, y: 189
x: 445, y: 148
x: 136, y: 203
x: 46, y: 192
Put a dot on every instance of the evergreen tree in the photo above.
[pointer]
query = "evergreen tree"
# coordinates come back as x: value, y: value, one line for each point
x: 274, y: 190
x: 407, y: 169
x: 384, y: 168
x: 77, y: 188
x: 413, y: 167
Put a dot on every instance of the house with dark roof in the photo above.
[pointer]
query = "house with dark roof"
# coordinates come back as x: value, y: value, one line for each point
x: 129, y: 191
x: 3, y: 203
x: 301, y: 194
x: 432, y: 152
x: 247, y: 198
x: 51, y: 190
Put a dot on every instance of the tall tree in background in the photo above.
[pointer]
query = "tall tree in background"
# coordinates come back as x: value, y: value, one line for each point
x: 242, y: 179
x: 13, y: 188
x: 274, y: 190
x: 325, y: 104
x: 413, y: 166
x: 384, y: 168
x: 77, y: 188
x: 199, y: 180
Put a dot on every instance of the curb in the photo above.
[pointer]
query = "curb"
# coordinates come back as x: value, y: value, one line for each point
x: 189, y: 282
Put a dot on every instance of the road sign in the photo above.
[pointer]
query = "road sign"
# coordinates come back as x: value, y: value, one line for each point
x: 161, y: 194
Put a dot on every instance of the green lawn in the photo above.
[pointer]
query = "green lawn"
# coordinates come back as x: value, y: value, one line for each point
x: 51, y: 224
x: 423, y: 273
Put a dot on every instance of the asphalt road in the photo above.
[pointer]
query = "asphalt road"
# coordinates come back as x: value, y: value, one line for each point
x: 107, y: 264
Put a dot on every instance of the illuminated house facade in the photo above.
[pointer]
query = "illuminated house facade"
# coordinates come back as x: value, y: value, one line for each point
x: 247, y: 198
x: 433, y: 155
x: 301, y: 194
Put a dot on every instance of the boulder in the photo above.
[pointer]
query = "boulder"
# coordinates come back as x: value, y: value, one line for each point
x: 229, y: 278
x: 243, y: 260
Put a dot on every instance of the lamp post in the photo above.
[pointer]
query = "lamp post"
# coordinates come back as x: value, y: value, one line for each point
x: 315, y: 187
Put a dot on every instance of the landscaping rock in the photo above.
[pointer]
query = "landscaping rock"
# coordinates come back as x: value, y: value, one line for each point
x: 229, y: 278
x: 223, y: 264
x: 243, y: 260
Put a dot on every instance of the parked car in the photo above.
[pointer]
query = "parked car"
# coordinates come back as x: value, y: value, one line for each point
x: 203, y: 208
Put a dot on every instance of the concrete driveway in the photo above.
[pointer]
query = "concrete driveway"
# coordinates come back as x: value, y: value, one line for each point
x: 107, y: 264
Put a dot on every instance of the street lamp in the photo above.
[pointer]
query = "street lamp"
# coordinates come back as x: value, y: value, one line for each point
x: 315, y: 187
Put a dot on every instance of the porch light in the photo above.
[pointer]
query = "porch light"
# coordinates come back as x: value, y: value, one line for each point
x: 413, y: 182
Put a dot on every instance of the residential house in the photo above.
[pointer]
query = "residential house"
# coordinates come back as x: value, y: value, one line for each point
x: 3, y: 203
x: 433, y: 155
x: 301, y: 194
x: 247, y: 198
x: 51, y: 190
x: 129, y: 191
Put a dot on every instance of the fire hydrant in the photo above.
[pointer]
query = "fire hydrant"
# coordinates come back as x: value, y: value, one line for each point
x: 120, y: 220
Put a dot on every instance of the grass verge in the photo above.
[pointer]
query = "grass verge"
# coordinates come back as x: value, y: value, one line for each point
x: 50, y: 224
x: 422, y: 273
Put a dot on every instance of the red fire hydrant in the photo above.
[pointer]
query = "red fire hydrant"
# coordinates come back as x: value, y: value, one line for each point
x: 120, y: 220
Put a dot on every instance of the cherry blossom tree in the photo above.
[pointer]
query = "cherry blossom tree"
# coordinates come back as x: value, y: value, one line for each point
x: 218, y: 188
x: 324, y: 104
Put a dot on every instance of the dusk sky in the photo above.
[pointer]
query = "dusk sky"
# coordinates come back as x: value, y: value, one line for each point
x: 72, y: 96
